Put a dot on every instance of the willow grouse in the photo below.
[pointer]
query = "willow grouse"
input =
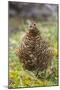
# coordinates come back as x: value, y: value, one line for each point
x: 34, y: 52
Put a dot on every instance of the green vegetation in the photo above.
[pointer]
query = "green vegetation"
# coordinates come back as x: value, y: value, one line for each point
x: 18, y: 76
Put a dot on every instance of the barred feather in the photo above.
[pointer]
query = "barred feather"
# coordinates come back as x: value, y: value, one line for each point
x: 34, y: 51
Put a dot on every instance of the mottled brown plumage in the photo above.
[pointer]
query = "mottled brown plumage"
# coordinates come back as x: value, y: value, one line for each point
x: 34, y: 52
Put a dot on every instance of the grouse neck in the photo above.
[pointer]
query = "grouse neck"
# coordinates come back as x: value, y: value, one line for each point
x: 33, y: 32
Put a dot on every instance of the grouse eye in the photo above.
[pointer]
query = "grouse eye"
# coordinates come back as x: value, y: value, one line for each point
x: 34, y: 24
x: 30, y: 26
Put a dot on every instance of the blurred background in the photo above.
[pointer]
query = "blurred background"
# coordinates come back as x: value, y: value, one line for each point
x: 35, y: 11
x: 20, y: 14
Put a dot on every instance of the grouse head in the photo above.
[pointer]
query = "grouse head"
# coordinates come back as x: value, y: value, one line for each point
x: 33, y: 30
